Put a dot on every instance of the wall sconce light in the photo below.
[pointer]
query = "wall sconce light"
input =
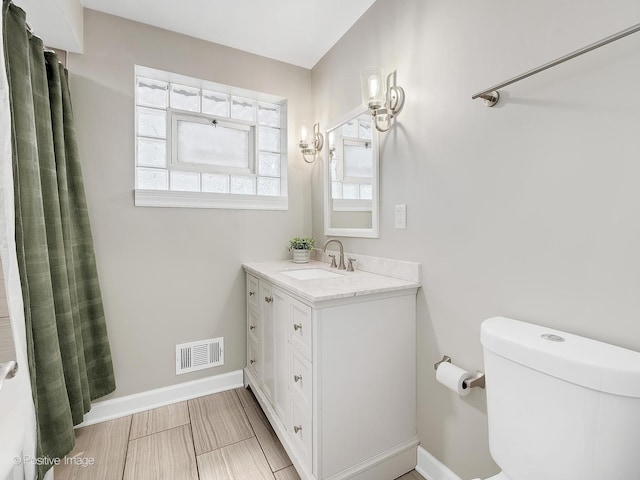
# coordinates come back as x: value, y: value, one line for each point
x: 384, y: 104
x: 310, y: 152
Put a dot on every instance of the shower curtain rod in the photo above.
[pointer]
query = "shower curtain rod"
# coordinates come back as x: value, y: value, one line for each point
x: 491, y: 94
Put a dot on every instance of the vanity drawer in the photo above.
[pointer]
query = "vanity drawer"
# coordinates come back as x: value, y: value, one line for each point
x: 301, y: 379
x: 254, y: 360
x: 301, y: 433
x: 300, y: 327
x: 252, y: 292
x: 254, y: 327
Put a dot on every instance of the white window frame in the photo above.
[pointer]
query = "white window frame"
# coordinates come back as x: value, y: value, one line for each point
x: 174, y: 116
x: 353, y: 142
x: 172, y: 198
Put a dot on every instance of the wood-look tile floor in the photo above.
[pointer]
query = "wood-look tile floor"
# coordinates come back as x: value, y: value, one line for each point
x: 224, y: 436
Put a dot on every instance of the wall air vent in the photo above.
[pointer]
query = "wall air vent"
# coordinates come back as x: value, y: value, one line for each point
x: 199, y: 355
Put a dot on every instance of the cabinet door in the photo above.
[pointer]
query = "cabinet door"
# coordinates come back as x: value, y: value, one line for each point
x: 300, y: 379
x: 254, y: 359
x: 268, y: 341
x: 281, y: 312
x: 254, y: 326
x: 300, y: 327
x: 301, y: 432
x: 252, y: 292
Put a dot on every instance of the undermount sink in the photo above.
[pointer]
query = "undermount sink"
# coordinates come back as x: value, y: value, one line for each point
x: 310, y: 274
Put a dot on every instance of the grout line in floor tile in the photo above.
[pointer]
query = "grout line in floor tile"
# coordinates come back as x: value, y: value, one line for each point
x: 244, y: 410
x: 238, y: 397
x: 159, y: 431
x: 126, y: 453
x: 188, y: 412
x: 264, y: 454
x: 193, y: 443
x: 228, y: 445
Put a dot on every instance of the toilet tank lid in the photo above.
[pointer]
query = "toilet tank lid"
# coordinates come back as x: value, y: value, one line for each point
x: 576, y: 359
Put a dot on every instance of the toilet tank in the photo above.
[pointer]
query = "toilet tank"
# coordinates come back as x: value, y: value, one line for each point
x: 560, y: 406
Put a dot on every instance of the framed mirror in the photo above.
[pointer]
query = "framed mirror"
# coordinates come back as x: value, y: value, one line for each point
x: 351, y: 196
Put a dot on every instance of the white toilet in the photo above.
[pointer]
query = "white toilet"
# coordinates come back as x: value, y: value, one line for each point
x: 560, y: 406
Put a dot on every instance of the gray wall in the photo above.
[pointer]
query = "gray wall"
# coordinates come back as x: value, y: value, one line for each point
x: 529, y: 210
x: 173, y: 275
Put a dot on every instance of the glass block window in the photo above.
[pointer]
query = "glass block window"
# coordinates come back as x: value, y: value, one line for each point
x: 201, y: 137
x: 153, y: 179
x: 185, y: 98
x: 215, y: 103
x: 215, y: 183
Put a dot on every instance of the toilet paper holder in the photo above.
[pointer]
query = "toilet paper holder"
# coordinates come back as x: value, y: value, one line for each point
x: 478, y: 380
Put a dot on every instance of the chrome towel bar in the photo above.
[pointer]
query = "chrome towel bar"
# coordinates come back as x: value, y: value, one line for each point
x: 491, y: 94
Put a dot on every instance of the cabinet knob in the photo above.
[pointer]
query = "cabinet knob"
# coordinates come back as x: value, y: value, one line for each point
x: 297, y: 428
x: 252, y: 327
x: 268, y: 299
x: 252, y: 361
x: 297, y: 326
x: 251, y: 294
x: 297, y: 378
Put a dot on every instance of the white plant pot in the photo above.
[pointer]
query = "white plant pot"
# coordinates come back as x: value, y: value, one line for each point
x: 301, y: 256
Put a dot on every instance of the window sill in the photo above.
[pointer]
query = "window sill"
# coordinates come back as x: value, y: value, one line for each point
x: 162, y: 198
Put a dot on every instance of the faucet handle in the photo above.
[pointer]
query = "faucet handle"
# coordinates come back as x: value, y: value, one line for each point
x: 350, y: 266
x: 333, y: 261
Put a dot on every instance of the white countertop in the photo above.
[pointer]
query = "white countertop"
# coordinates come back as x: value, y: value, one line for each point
x: 349, y: 284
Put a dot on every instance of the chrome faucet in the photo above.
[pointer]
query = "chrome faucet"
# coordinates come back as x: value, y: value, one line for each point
x: 341, y: 265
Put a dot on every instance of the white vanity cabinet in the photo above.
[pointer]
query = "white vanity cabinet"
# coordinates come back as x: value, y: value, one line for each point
x: 336, y: 378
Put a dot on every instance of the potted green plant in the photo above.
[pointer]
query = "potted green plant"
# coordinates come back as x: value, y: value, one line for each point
x: 301, y: 248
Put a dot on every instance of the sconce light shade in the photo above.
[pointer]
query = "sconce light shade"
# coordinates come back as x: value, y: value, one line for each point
x: 371, y: 80
x: 384, y: 100
x: 310, y: 152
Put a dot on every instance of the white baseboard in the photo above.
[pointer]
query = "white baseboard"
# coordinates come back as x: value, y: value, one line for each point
x: 139, y: 402
x: 431, y: 468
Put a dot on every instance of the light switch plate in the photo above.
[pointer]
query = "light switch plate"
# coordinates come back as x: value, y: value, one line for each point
x: 401, y: 217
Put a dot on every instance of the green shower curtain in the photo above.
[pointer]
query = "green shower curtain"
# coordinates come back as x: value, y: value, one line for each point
x: 69, y: 356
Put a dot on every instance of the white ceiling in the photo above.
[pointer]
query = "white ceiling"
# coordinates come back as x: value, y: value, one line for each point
x: 57, y: 22
x: 293, y: 31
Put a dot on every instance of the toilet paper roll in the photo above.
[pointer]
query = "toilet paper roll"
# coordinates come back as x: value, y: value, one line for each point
x: 453, y: 378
